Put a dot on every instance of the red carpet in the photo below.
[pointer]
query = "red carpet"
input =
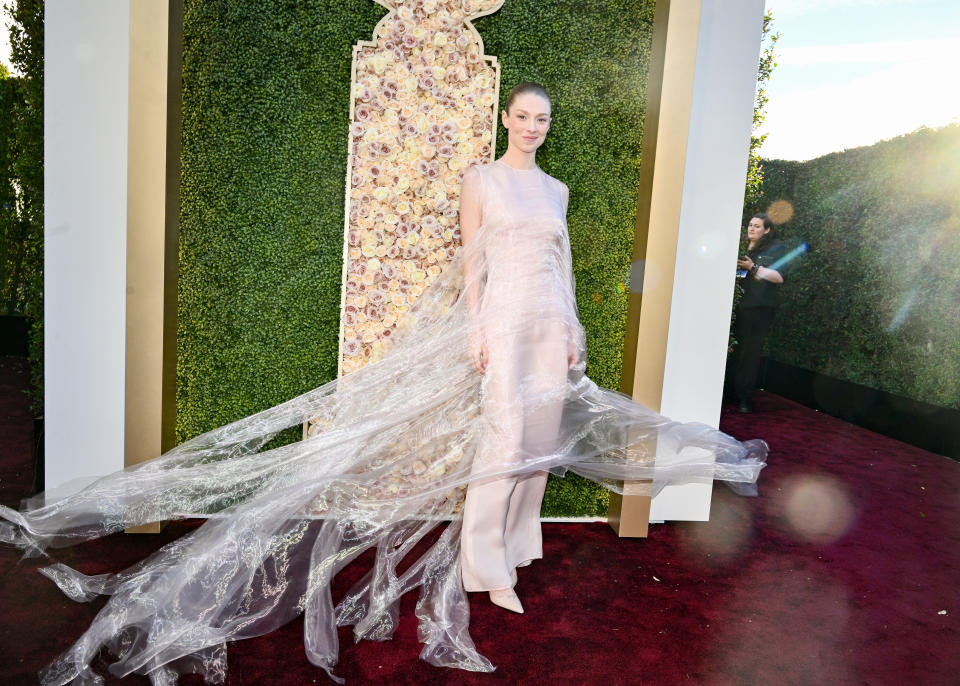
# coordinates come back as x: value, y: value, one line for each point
x: 843, y: 571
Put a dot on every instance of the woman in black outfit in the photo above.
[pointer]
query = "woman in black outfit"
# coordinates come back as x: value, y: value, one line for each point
x: 765, y: 271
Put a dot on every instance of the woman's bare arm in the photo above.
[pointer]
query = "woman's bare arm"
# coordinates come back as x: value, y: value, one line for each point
x: 470, y: 220
x: 771, y: 275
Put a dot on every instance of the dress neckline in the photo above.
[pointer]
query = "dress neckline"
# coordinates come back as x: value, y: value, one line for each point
x: 520, y: 171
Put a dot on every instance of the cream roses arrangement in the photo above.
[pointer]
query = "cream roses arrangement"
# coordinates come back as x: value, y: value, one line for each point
x: 424, y: 99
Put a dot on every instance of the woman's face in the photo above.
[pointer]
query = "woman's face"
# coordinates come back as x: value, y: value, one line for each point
x: 755, y: 230
x: 527, y: 121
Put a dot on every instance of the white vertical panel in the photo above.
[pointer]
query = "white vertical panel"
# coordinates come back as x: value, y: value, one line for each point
x: 86, y: 92
x: 728, y: 51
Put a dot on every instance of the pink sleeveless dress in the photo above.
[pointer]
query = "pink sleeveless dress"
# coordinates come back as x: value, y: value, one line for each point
x: 528, y: 318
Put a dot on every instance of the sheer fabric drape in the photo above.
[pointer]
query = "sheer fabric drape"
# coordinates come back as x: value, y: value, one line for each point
x: 402, y: 439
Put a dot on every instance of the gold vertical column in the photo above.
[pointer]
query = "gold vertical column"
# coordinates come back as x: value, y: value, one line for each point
x: 666, y: 129
x: 153, y: 209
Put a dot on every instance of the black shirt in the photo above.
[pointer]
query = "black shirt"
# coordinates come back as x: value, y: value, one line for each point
x: 759, y: 292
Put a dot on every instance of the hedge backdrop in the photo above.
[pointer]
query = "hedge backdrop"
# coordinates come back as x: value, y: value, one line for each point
x: 264, y: 148
x: 877, y: 299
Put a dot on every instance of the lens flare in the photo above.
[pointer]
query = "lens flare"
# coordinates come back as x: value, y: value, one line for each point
x: 791, y: 256
x: 817, y: 508
x: 780, y: 211
x: 902, y: 313
x: 726, y: 537
x: 710, y: 244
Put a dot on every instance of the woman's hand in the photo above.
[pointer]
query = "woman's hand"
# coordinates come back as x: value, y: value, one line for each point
x: 573, y: 354
x: 479, y: 354
x: 574, y: 336
x: 745, y: 263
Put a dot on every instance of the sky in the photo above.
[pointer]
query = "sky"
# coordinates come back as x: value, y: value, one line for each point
x: 853, y: 72
x: 849, y: 72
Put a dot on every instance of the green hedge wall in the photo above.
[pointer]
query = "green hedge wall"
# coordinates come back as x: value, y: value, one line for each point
x: 265, y: 107
x: 11, y: 228
x: 877, y: 300
x: 21, y: 276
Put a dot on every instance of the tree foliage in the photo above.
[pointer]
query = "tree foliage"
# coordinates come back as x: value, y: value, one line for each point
x: 21, y: 198
x: 765, y: 69
x: 875, y: 300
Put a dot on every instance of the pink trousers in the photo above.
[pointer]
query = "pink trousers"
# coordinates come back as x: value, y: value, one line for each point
x: 523, y: 405
x: 501, y: 529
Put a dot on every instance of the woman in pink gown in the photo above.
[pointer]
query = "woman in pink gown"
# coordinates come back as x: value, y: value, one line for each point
x: 526, y: 340
x: 482, y: 392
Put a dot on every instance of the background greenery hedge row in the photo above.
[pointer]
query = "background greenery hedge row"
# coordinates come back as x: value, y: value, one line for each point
x: 877, y: 300
x: 265, y: 108
x: 21, y: 180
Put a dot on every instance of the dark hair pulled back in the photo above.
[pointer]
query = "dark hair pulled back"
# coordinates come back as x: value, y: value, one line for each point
x: 526, y: 87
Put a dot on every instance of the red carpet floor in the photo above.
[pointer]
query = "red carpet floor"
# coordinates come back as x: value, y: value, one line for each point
x: 844, y: 571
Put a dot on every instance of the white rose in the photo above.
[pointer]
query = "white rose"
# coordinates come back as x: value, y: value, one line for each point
x: 378, y: 63
x: 381, y: 193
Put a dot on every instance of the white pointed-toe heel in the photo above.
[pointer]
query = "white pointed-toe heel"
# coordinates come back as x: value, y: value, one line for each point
x: 507, y: 599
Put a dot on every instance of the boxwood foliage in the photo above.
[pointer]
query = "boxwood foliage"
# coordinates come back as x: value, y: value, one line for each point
x: 265, y: 116
x: 875, y: 302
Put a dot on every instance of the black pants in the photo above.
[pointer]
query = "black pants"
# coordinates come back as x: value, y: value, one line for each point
x: 750, y: 329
